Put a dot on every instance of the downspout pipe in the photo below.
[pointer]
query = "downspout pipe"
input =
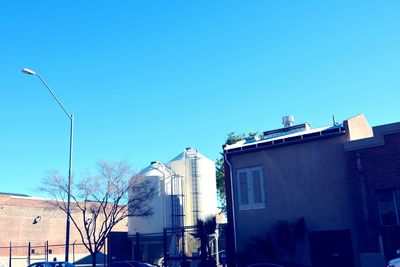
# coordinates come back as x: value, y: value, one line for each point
x: 232, y: 200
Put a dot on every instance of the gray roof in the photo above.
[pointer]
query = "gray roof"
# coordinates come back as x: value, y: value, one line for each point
x: 285, y: 137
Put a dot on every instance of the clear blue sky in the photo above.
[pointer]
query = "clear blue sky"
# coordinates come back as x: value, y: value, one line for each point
x: 145, y: 79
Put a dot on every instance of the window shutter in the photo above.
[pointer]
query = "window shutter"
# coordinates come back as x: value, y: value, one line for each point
x: 243, y: 188
x: 257, y: 187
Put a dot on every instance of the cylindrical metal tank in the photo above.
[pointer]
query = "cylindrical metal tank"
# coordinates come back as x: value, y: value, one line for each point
x: 159, y: 175
x: 199, y: 184
x: 187, y: 191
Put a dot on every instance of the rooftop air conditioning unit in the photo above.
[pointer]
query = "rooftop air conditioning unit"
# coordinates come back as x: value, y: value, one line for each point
x: 288, y: 121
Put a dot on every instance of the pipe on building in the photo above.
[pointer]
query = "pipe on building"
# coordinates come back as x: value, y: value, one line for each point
x: 232, y: 199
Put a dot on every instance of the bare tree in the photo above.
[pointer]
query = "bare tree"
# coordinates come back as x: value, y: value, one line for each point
x: 102, y: 201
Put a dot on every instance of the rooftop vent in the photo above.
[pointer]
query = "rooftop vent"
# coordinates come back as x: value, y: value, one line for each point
x: 288, y: 121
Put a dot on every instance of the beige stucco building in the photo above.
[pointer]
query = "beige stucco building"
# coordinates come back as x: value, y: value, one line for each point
x: 288, y: 194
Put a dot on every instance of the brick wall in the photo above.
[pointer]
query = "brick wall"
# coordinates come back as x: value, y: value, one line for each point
x: 16, y: 225
x: 371, y: 169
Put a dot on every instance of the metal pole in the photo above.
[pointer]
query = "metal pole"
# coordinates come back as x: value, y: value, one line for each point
x: 29, y: 253
x: 71, y: 143
x: 217, y: 245
x: 9, y: 260
x: 73, y: 251
x: 46, y: 248
x: 183, y: 244
x: 166, y: 258
x: 105, y: 253
x: 137, y: 251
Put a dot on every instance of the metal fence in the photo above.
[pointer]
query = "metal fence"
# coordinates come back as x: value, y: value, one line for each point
x: 181, y: 247
x: 172, y: 247
x: 176, y: 246
x: 15, y: 255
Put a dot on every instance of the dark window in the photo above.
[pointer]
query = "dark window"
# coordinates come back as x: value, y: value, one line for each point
x: 389, y: 201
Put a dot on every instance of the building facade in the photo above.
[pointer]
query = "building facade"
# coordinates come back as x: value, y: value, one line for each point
x: 288, y: 196
x: 33, y: 229
x: 374, y: 173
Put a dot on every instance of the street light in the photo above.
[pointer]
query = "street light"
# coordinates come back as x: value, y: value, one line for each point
x: 71, y: 142
x: 37, y: 219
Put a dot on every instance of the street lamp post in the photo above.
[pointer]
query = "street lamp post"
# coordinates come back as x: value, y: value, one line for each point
x: 71, y: 142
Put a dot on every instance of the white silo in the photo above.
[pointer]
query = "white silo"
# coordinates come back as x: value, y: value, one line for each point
x: 186, y: 187
x: 199, y: 184
x: 166, y: 204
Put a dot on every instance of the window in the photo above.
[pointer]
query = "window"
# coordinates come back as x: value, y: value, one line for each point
x: 250, y: 185
x: 389, y: 207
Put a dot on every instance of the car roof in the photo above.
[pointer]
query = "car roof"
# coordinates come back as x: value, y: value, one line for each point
x: 140, y: 263
x: 396, y: 260
x: 264, y: 265
x: 51, y: 262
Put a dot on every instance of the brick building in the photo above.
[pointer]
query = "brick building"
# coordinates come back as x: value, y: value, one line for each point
x: 374, y: 172
x: 37, y: 222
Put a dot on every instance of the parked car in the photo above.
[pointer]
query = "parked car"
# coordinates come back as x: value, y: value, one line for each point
x: 51, y: 264
x: 132, y: 264
x: 264, y: 265
x: 395, y: 262
x: 277, y: 264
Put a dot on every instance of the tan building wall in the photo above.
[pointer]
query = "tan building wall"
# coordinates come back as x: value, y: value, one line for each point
x: 306, y: 180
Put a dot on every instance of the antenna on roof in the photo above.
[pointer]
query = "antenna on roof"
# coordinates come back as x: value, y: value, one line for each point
x: 334, y: 120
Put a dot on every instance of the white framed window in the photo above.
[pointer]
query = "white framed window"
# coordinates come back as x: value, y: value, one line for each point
x: 250, y: 188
